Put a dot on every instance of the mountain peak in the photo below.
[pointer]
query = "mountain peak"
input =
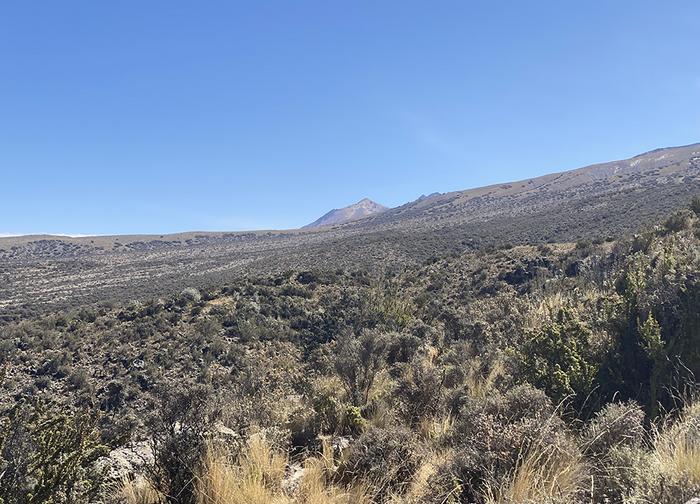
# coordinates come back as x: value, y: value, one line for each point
x: 363, y: 208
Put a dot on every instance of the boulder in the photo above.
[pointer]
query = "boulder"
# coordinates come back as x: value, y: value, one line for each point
x: 125, y: 462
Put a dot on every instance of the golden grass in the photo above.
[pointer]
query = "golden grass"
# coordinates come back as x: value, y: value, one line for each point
x: 138, y: 492
x: 316, y: 487
x: 481, y: 384
x: 435, y: 428
x: 380, y: 415
x: 420, y: 485
x: 543, y: 475
x: 677, y: 447
x: 257, y: 478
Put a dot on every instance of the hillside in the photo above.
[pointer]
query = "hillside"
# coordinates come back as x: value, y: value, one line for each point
x: 595, y: 202
x: 558, y: 374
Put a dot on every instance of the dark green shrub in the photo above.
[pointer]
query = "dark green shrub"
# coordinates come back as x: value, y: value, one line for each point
x: 559, y: 359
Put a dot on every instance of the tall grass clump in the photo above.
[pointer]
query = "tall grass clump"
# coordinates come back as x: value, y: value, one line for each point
x: 254, y: 478
x: 263, y: 475
x: 544, y: 475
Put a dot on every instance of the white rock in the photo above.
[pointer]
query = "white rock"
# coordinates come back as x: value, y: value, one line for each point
x: 295, y: 473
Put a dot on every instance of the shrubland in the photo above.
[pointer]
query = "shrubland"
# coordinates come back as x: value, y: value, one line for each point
x: 556, y: 373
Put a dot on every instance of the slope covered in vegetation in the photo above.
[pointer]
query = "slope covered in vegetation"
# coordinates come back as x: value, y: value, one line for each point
x: 553, y: 373
x: 601, y: 201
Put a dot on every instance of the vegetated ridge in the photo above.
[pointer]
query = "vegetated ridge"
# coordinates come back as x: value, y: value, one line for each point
x: 560, y: 373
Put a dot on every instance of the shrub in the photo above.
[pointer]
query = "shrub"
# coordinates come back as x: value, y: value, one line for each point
x: 189, y: 295
x: 353, y: 422
x: 419, y: 389
x: 559, y: 359
x: 383, y: 459
x: 179, y: 430
x: 358, y: 360
x: 492, y: 433
x: 401, y: 347
x: 695, y: 206
x: 617, y: 424
x: 678, y: 221
x: 46, y: 456
x: 614, y: 439
x: 328, y: 414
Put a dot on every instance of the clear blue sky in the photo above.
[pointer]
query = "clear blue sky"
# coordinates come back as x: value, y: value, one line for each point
x: 162, y: 116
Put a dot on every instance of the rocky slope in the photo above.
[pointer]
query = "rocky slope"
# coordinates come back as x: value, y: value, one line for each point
x: 363, y: 208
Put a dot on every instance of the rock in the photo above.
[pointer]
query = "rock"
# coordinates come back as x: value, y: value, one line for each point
x: 339, y: 444
x: 694, y: 500
x: 295, y: 473
x: 125, y: 462
x: 220, y: 428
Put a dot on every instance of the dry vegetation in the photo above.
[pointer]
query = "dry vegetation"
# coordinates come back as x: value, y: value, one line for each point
x: 557, y: 373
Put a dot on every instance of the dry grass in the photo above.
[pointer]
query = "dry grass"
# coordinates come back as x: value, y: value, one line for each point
x: 435, y: 428
x: 543, y: 475
x: 258, y: 477
x: 481, y: 384
x: 381, y: 415
x: 677, y: 447
x: 138, y: 491
x: 420, y: 485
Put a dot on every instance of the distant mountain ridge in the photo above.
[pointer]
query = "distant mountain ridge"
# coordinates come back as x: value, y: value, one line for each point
x: 363, y: 208
x: 618, y: 195
x: 597, y: 202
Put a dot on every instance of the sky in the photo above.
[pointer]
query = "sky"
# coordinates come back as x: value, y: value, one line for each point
x: 163, y: 116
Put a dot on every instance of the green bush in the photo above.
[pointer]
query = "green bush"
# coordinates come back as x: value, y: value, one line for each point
x: 559, y: 359
x: 47, y: 455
